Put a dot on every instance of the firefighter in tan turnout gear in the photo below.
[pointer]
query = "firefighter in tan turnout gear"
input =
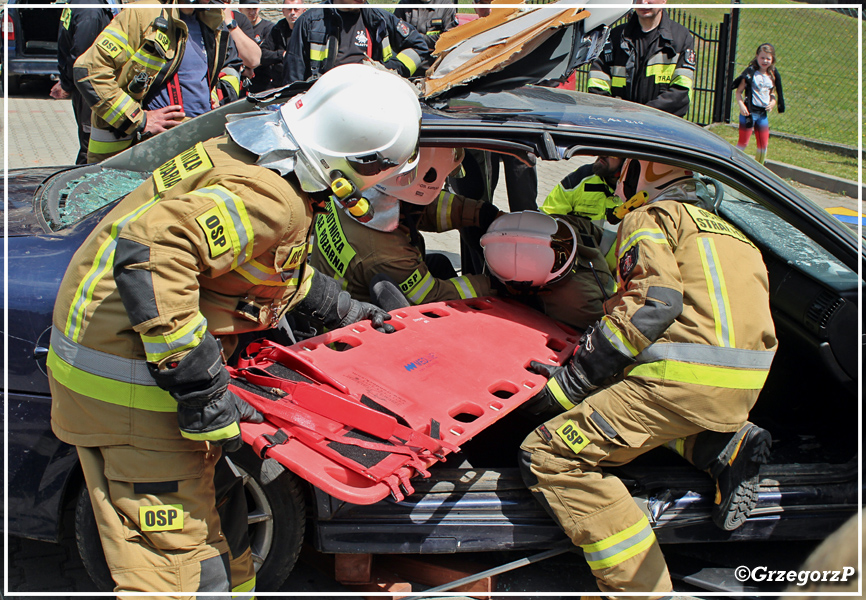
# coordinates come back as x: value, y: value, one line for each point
x: 389, y: 243
x: 151, y: 68
x: 690, y: 339
x: 214, y: 244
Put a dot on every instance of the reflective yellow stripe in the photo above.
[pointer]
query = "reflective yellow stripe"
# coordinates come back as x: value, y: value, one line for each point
x: 443, y: 211
x: 616, y: 338
x: 232, y: 81
x: 718, y: 292
x: 678, y: 445
x: 464, y: 287
x: 406, y: 60
x: 559, y: 395
x: 661, y: 73
x: 619, y: 547
x: 97, y: 147
x: 416, y: 287
x: 121, y: 393
x: 598, y: 83
x: 387, y: 53
x: 650, y: 234
x: 158, y: 347
x: 223, y: 433
x: 148, y: 60
x: 617, y: 82
x: 247, y: 586
x: 259, y: 274
x: 102, y: 264
x: 116, y: 110
x: 318, y: 52
x: 683, y: 372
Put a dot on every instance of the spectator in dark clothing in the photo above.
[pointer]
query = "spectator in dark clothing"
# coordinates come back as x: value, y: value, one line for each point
x: 275, y: 46
x: 243, y: 35
x: 339, y: 32
x: 78, y: 29
x: 261, y: 76
x: 430, y: 22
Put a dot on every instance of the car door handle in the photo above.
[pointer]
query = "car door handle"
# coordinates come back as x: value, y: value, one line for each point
x: 40, y: 352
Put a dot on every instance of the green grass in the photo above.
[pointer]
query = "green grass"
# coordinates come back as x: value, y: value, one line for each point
x: 793, y: 153
x: 816, y: 54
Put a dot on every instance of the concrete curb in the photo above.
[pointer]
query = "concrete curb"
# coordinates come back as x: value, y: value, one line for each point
x: 821, y: 181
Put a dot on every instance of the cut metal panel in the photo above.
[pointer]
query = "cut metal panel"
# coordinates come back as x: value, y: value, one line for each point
x: 476, y: 54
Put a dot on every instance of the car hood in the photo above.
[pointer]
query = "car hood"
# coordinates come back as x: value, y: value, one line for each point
x: 22, y: 219
x: 512, y: 47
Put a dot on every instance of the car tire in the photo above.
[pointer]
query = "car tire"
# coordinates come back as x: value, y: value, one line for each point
x: 14, y: 85
x: 276, y: 516
x: 89, y: 544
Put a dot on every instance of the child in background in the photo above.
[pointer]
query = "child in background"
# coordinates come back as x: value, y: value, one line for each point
x: 762, y: 85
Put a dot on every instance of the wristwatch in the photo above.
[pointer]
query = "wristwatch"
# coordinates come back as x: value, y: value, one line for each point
x: 232, y: 25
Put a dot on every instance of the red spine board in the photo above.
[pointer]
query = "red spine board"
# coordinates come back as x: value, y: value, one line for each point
x: 461, y: 364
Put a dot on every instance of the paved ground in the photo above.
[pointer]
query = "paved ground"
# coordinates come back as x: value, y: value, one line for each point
x: 41, y: 132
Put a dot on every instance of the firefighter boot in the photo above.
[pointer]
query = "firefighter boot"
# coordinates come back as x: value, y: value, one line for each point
x: 735, y: 471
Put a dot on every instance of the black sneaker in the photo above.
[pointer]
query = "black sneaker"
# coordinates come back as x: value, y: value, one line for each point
x: 737, y: 482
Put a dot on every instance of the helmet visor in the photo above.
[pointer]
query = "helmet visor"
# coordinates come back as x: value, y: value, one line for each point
x: 369, y: 165
x: 564, y: 248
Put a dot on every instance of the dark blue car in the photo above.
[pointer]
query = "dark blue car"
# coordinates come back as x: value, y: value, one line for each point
x: 477, y: 501
x: 31, y: 45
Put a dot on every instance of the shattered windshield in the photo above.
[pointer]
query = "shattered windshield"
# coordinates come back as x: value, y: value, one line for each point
x: 786, y: 241
x: 72, y: 195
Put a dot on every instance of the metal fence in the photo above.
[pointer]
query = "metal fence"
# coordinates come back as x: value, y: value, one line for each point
x: 816, y: 55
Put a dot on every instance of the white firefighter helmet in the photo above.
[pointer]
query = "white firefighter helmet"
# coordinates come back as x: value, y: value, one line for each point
x: 529, y: 249
x: 356, y: 122
x: 434, y: 165
x: 647, y: 176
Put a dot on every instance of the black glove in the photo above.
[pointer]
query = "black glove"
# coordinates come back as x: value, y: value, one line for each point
x: 566, y: 387
x: 335, y: 308
x: 218, y: 421
x: 486, y: 215
x: 385, y: 293
x: 206, y: 409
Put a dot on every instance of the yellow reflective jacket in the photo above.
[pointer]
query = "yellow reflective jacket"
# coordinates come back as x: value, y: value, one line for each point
x: 353, y: 253
x: 148, y: 43
x: 210, y: 242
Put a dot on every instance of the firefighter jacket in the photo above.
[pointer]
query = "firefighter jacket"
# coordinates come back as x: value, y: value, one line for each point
x: 135, y: 57
x: 78, y: 30
x: 663, y: 79
x: 748, y: 75
x: 313, y: 46
x: 210, y: 242
x: 353, y: 253
x: 578, y: 299
x: 430, y: 21
x: 581, y: 193
x: 691, y: 316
